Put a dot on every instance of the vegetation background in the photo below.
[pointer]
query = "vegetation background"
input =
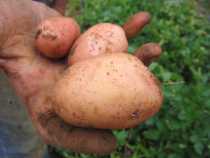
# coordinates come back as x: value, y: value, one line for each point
x: 182, y: 127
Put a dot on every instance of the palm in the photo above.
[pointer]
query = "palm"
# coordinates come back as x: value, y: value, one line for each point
x: 33, y: 77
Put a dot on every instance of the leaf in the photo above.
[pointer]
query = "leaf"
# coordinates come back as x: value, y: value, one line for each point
x: 121, y: 137
x: 152, y: 134
x: 199, y: 148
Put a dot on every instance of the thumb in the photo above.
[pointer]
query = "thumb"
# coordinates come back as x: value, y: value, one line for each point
x: 60, y: 6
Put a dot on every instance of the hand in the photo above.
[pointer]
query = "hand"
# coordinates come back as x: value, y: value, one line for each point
x: 33, y: 76
x: 59, y: 5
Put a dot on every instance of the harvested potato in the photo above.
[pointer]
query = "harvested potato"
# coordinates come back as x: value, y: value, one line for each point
x: 99, y: 39
x: 56, y: 35
x: 110, y: 91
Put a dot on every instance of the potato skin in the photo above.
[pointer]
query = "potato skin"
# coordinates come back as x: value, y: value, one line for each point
x: 99, y: 39
x: 56, y: 35
x: 111, y: 91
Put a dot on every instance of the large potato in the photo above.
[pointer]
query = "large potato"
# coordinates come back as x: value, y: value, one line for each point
x: 111, y: 91
x: 99, y: 39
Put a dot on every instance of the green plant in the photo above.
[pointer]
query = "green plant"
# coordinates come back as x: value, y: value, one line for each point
x: 181, y: 128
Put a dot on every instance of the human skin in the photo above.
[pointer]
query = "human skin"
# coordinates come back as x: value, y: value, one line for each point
x: 33, y: 77
x: 58, y: 5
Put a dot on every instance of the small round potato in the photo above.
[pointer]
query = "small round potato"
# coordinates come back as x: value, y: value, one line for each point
x: 99, y: 39
x: 110, y: 91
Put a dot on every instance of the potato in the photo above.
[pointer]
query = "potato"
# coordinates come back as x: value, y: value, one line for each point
x: 99, y: 39
x: 136, y: 23
x: 56, y: 35
x: 110, y: 91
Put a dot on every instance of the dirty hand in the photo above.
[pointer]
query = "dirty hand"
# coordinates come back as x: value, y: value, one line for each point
x: 33, y: 76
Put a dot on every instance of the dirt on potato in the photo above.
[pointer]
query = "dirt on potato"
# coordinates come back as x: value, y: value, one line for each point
x: 110, y: 91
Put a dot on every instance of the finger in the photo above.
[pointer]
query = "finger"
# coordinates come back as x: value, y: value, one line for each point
x: 136, y: 23
x: 60, y: 6
x: 2, y: 63
x: 42, y: 12
x: 10, y: 21
x: 63, y: 30
x: 148, y: 52
x: 81, y: 140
